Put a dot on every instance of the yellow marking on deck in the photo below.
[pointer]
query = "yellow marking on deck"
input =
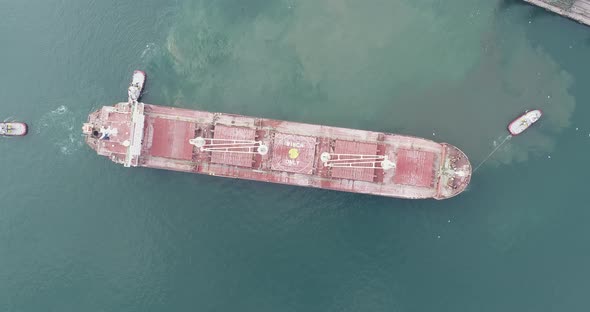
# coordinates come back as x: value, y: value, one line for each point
x: 293, y: 153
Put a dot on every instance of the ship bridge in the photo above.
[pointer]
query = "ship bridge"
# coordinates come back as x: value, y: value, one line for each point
x: 117, y: 132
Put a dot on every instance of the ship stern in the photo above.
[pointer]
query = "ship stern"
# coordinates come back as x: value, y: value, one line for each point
x: 116, y: 132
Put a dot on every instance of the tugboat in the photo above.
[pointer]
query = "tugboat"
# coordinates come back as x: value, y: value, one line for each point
x: 524, y: 121
x: 136, y: 86
x: 13, y: 128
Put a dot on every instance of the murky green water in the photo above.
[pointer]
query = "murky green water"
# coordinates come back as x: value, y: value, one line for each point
x: 78, y: 233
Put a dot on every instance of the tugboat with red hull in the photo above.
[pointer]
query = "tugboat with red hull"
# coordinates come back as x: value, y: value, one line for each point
x: 524, y: 121
x: 135, y: 134
x: 13, y: 129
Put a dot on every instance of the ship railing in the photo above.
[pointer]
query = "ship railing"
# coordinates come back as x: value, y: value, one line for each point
x: 229, y: 146
x: 356, y: 161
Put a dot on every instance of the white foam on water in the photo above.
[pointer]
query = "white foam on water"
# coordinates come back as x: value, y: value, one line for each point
x: 59, y: 126
x: 148, y: 51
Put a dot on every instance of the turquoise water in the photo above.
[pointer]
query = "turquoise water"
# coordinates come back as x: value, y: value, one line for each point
x: 78, y: 233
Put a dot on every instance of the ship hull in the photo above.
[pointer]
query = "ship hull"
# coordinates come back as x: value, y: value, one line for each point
x: 277, y: 151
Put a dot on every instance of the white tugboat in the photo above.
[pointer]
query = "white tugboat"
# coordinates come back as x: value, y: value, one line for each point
x: 136, y: 86
x: 524, y: 121
x: 13, y: 128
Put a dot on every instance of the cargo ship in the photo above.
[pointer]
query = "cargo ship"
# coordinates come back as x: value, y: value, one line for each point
x: 136, y: 134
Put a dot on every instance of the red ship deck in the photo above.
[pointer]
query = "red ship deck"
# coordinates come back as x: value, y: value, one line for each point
x: 169, y: 138
x: 281, y: 151
x: 232, y: 133
x: 415, y: 168
x: 293, y: 153
x: 351, y: 148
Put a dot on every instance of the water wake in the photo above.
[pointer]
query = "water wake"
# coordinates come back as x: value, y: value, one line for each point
x: 149, y: 50
x: 60, y: 126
